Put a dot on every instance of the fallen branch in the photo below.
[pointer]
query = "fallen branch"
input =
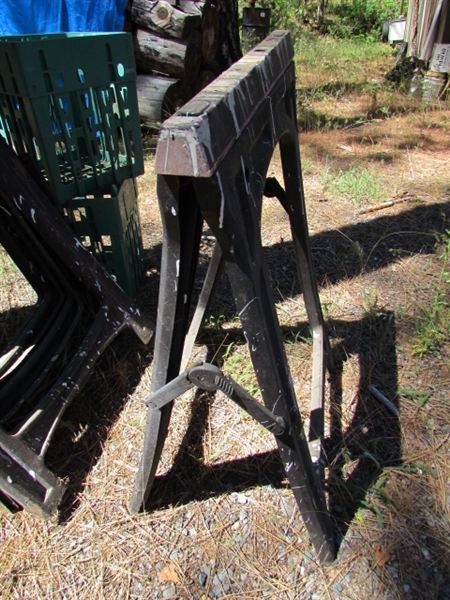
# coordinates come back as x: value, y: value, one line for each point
x: 382, y: 398
x: 382, y: 205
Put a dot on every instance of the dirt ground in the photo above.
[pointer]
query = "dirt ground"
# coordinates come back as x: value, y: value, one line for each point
x: 223, y: 521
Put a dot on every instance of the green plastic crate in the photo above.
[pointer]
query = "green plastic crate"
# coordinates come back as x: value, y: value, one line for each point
x: 108, y: 225
x: 70, y: 102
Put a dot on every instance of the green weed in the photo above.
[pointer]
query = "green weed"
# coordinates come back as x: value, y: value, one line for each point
x: 361, y: 18
x: 237, y: 364
x: 371, y: 307
x: 359, y: 184
x: 215, y: 322
x: 376, y: 494
x: 336, y: 61
x: 286, y: 14
x: 421, y: 396
x: 433, y: 321
x: 360, y: 517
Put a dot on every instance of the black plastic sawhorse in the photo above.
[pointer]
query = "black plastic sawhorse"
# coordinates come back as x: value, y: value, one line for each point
x: 212, y: 159
x: 78, y: 312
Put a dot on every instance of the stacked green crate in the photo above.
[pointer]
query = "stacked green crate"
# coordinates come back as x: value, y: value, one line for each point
x: 69, y: 102
x: 108, y: 225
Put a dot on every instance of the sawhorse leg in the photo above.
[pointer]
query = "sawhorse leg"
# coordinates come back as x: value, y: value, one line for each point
x: 182, y: 225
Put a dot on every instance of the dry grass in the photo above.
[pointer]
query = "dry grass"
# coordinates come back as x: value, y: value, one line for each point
x: 223, y: 522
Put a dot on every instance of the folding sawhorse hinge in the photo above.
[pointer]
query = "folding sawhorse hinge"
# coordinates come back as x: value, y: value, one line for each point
x: 210, y: 378
x: 212, y: 160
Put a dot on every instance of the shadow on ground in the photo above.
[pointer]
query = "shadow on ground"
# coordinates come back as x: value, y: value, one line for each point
x: 338, y: 254
x: 371, y: 442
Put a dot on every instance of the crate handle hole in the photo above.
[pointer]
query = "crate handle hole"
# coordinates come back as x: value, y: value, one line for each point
x: 64, y: 104
x: 124, y: 93
x: 84, y: 97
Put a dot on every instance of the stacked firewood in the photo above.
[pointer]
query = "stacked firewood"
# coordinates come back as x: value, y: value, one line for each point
x: 180, y: 46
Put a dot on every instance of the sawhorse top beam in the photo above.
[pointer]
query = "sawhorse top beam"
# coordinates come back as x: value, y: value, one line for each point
x: 194, y: 141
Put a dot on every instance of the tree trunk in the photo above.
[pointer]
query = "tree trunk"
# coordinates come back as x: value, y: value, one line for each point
x: 210, y: 33
x: 229, y: 43
x: 204, y: 78
x: 320, y: 11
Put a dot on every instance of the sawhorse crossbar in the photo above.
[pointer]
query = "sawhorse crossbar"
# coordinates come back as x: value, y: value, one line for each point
x: 212, y: 159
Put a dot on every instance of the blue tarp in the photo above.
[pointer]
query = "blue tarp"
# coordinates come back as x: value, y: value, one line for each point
x: 49, y: 16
